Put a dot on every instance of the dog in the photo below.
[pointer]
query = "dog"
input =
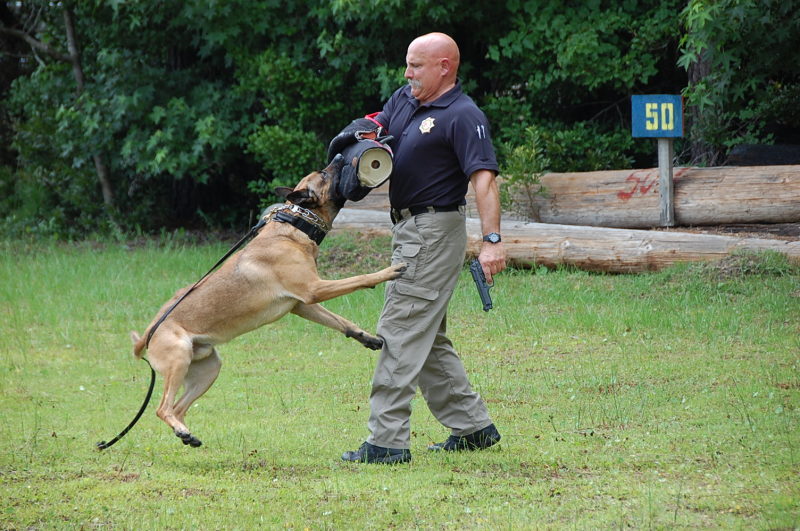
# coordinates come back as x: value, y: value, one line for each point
x: 274, y: 274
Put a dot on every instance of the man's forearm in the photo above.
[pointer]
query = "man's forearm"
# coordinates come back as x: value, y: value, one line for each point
x: 487, y: 197
x: 493, y: 255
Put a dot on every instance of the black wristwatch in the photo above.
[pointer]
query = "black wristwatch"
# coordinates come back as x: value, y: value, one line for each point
x: 492, y: 237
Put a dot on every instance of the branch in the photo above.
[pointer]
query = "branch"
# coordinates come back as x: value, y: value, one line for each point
x: 74, y: 58
x: 39, y: 45
x: 74, y: 54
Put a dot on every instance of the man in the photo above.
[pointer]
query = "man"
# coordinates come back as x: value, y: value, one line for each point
x: 441, y: 140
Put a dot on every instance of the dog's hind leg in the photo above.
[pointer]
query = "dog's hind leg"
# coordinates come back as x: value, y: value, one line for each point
x: 172, y: 357
x: 201, y: 375
x: 317, y: 314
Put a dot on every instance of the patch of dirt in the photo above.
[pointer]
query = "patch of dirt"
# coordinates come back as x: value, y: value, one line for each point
x: 742, y: 264
x: 769, y: 231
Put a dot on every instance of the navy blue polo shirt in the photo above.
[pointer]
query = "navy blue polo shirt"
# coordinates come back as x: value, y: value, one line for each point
x: 436, y: 147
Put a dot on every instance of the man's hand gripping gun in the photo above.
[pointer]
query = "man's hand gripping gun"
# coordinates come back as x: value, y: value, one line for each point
x: 480, y: 281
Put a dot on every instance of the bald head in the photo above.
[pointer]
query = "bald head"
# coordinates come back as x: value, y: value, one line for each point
x: 432, y: 66
x: 438, y: 46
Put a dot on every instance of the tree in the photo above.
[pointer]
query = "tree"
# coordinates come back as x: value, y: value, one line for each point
x: 198, y: 108
x: 73, y: 58
x: 745, y: 72
x: 155, y: 112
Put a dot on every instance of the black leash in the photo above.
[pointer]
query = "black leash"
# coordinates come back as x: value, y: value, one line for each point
x: 102, y: 445
x: 233, y: 249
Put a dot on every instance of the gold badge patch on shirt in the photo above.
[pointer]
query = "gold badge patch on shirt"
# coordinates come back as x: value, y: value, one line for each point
x: 426, y: 125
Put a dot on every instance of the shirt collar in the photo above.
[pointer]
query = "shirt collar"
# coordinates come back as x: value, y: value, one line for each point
x: 442, y: 101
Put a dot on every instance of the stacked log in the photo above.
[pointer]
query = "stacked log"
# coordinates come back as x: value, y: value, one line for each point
x: 592, y: 220
x: 588, y: 248
x: 703, y: 196
x: 629, y: 198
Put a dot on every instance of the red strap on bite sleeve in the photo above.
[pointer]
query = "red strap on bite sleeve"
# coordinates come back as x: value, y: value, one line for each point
x: 372, y: 116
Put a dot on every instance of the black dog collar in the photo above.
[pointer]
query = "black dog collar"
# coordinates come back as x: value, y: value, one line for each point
x: 315, y: 232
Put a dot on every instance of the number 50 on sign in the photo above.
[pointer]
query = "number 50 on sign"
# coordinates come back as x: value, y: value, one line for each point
x: 658, y: 115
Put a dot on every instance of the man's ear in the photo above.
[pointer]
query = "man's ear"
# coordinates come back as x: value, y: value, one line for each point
x: 444, y: 66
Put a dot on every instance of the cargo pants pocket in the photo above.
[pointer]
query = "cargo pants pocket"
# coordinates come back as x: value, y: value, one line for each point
x: 407, y: 305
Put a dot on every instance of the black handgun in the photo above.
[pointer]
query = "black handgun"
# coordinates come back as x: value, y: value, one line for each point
x: 480, y: 281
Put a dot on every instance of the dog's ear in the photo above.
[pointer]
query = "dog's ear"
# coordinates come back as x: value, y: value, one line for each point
x: 283, y: 191
x: 303, y: 197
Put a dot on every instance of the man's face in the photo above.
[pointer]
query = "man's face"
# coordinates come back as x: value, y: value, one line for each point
x: 423, y: 73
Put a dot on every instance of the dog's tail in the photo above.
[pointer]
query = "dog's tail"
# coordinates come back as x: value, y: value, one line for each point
x: 139, y: 344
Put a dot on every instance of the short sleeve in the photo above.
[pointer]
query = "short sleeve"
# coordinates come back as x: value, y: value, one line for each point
x: 472, y: 142
x: 385, y: 116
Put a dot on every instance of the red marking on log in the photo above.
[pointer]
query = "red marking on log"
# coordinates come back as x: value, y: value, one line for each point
x: 625, y: 196
x: 641, y: 185
x: 644, y: 189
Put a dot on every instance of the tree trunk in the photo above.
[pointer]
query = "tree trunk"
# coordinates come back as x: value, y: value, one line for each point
x: 105, y: 182
x: 702, y: 196
x: 702, y: 153
x: 103, y: 173
x: 74, y: 54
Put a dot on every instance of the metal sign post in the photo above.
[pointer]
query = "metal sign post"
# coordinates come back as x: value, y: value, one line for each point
x: 660, y: 116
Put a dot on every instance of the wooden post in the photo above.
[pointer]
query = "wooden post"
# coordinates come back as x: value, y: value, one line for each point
x: 660, y: 116
x: 666, y: 186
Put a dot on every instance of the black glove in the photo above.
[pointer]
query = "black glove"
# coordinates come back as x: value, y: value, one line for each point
x: 357, y: 130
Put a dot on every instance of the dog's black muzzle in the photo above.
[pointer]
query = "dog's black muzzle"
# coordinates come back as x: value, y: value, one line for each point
x: 334, y: 170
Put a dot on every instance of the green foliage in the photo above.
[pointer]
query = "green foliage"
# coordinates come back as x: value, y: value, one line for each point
x: 586, y: 147
x: 749, y: 48
x: 285, y: 154
x: 570, y: 68
x: 153, y: 109
x: 524, y: 165
x: 565, y: 45
x: 583, y: 148
x: 233, y: 96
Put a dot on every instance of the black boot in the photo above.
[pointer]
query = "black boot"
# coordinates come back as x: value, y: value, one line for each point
x: 488, y: 436
x: 369, y: 453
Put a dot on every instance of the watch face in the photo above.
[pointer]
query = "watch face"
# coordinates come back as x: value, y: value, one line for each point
x: 492, y: 238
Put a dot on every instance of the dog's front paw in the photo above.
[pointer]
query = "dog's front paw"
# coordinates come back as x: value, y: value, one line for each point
x: 399, y: 270
x: 371, y: 342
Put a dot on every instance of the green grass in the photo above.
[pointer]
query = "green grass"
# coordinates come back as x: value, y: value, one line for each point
x: 659, y: 401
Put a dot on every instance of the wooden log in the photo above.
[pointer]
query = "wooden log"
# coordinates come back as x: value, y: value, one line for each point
x: 588, y: 248
x: 630, y: 198
x: 702, y: 196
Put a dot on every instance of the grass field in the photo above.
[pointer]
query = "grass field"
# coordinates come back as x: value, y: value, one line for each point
x: 660, y: 401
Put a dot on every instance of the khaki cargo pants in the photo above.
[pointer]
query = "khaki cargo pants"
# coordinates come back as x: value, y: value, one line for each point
x: 416, y: 352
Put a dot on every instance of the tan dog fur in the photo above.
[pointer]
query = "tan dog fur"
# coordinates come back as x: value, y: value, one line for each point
x: 276, y: 273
